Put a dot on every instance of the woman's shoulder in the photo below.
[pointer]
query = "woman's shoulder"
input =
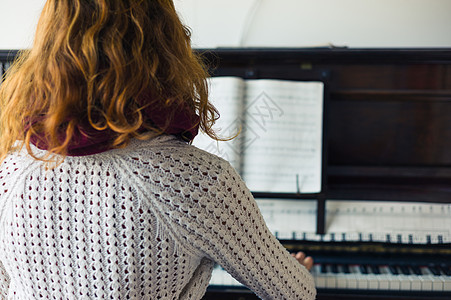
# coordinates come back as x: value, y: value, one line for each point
x: 171, y: 149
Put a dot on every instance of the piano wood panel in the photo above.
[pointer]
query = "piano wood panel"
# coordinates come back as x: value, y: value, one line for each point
x: 389, y: 132
x: 418, y: 76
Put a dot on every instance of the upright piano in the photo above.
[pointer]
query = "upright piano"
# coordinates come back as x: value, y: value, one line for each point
x: 381, y: 227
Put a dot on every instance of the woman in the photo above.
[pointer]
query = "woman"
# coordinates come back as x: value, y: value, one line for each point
x: 102, y: 197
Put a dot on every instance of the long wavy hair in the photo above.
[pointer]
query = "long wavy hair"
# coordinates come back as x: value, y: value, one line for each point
x: 89, y: 61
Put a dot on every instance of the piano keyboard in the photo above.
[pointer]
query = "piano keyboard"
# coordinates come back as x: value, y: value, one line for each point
x: 432, y: 278
x: 380, y: 247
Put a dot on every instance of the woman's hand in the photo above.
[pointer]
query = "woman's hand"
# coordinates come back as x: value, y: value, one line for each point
x: 304, y: 260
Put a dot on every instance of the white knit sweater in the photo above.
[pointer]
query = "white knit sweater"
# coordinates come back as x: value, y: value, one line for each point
x: 145, y: 222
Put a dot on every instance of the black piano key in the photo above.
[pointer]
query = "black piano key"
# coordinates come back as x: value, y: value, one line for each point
x: 388, y: 238
x: 346, y: 269
x: 375, y: 269
x: 405, y: 270
x: 416, y: 270
x: 323, y: 268
x: 428, y: 238
x: 434, y: 270
x: 410, y: 239
x: 371, y: 237
x: 440, y: 239
x: 334, y: 268
x: 393, y: 270
x: 399, y: 237
x: 363, y: 269
x: 332, y: 237
x: 445, y: 269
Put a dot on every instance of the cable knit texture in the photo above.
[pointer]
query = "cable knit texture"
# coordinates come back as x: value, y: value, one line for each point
x: 145, y: 222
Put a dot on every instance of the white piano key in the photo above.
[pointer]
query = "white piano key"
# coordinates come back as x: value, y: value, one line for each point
x: 352, y: 237
x: 342, y: 281
x: 427, y: 283
x: 338, y: 237
x: 438, y: 284
x: 320, y: 281
x: 215, y: 277
x: 361, y: 279
x: 395, y: 282
x: 428, y: 279
x: 419, y: 239
x: 373, y: 283
x: 331, y: 281
x: 392, y: 237
x: 446, y: 283
x: 416, y: 283
x: 310, y: 236
x: 434, y: 238
x: 320, y: 278
x: 406, y: 284
x: 405, y: 238
x: 366, y: 237
x: 383, y: 282
x: 299, y: 235
x: 379, y: 237
x: 327, y: 237
x: 285, y: 235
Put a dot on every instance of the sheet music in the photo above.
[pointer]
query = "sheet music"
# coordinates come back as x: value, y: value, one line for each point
x: 283, y: 136
x: 279, y: 148
x: 227, y: 95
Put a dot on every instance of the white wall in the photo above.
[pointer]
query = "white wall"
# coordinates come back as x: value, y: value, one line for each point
x: 18, y: 20
x: 300, y: 23
x: 280, y: 23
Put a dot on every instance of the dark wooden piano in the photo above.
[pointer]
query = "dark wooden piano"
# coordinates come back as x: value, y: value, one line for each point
x: 388, y: 140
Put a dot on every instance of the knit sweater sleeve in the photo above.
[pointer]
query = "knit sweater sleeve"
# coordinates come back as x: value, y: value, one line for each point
x: 222, y: 220
x: 4, y: 282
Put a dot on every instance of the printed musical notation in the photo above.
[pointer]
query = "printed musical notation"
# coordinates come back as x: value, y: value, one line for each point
x: 279, y: 146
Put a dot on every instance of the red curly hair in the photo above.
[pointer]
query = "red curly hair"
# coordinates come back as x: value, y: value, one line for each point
x: 90, y: 61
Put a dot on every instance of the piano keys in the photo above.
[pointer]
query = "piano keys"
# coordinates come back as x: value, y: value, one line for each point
x: 431, y: 278
x: 393, y: 279
x: 398, y: 257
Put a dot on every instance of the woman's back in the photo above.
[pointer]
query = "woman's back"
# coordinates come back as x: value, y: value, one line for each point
x: 144, y: 222
x: 130, y: 210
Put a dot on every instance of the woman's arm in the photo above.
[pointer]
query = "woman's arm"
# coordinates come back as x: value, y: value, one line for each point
x: 4, y: 282
x: 223, y: 221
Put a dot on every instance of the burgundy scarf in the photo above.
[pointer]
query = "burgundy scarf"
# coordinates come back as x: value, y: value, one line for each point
x: 87, y: 140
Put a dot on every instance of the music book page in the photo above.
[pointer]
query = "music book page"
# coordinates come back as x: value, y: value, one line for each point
x: 227, y: 95
x: 283, y: 136
x: 280, y: 143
